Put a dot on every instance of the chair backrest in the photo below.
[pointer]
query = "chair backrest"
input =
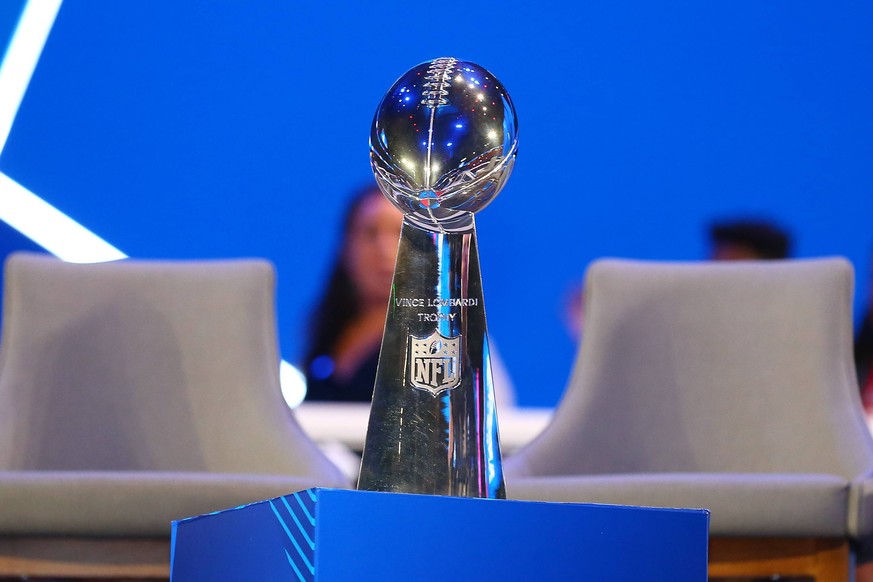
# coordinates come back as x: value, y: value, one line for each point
x: 710, y: 367
x: 146, y: 365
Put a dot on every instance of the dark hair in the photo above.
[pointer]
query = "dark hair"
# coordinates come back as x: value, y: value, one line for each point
x: 765, y: 239
x: 338, y: 303
x: 864, y: 349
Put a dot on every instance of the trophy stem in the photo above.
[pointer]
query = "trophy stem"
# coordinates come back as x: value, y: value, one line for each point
x: 433, y: 421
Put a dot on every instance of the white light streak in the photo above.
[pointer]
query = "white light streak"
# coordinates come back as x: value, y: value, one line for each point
x: 50, y: 228
x: 31, y: 215
x: 21, y: 58
x: 293, y: 384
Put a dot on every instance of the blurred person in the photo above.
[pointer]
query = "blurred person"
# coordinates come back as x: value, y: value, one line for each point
x: 748, y: 240
x: 864, y: 352
x: 573, y: 313
x: 345, y: 329
x: 864, y: 359
x: 346, y: 326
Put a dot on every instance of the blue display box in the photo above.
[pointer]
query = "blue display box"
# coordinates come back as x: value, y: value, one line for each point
x: 332, y: 535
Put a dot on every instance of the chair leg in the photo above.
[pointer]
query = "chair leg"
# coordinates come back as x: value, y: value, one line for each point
x: 824, y: 559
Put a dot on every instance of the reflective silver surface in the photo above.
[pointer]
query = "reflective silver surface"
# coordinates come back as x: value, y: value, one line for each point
x: 443, y: 141
x: 433, y: 424
x: 442, y: 145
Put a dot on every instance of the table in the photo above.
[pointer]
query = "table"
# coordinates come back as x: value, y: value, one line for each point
x: 346, y: 423
x: 340, y: 429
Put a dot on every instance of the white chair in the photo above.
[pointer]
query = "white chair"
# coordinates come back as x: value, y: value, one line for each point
x: 134, y: 393
x: 728, y: 386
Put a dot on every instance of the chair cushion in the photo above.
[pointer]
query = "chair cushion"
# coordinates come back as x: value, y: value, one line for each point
x: 126, y: 503
x: 740, y: 504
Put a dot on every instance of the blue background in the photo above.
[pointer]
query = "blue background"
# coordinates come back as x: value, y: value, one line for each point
x: 213, y: 129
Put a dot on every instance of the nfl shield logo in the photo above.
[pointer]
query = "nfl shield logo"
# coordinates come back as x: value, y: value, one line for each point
x: 433, y: 362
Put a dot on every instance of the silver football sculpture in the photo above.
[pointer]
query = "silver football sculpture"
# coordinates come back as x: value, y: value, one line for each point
x: 443, y: 142
x: 442, y: 145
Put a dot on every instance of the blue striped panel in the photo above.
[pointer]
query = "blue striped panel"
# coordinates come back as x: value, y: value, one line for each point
x: 296, y: 515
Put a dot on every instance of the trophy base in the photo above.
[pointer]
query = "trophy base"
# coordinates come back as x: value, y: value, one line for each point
x: 287, y: 539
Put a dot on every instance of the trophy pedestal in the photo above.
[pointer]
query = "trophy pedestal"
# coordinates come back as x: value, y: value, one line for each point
x: 327, y: 535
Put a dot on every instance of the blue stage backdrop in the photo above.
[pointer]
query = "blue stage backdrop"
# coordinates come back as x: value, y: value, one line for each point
x: 219, y: 129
